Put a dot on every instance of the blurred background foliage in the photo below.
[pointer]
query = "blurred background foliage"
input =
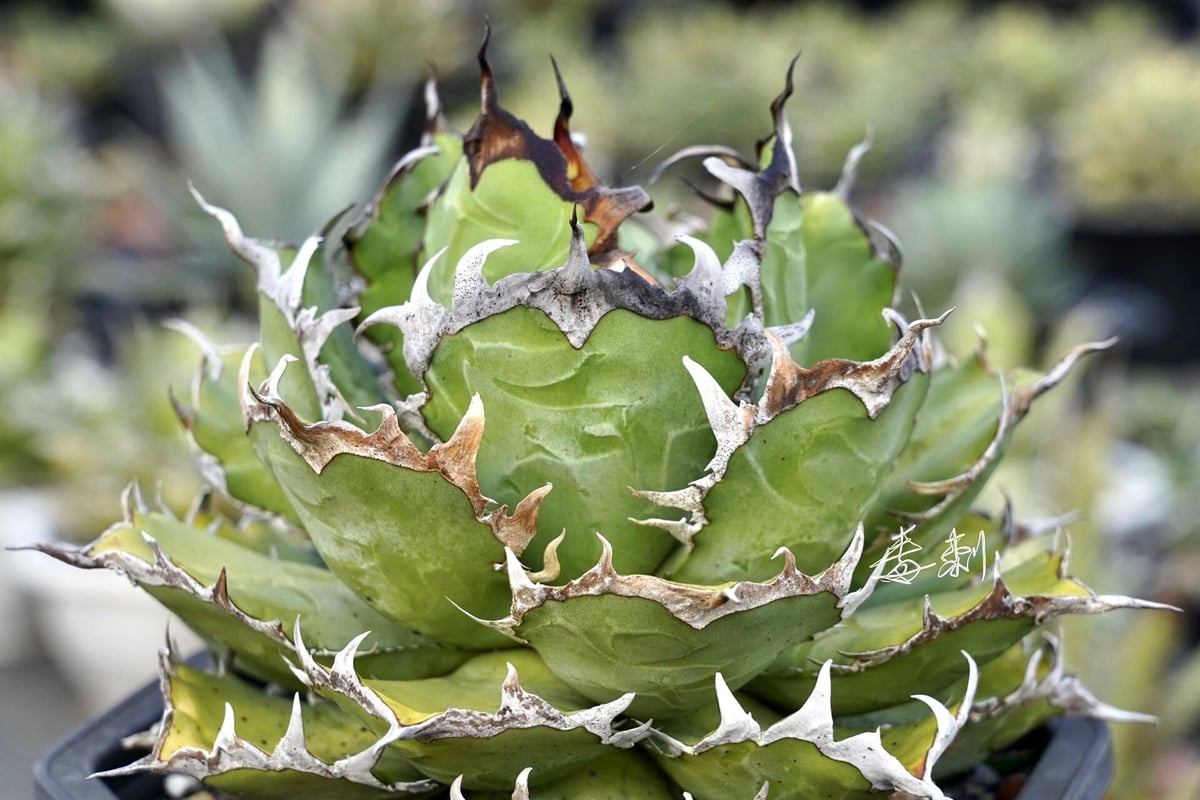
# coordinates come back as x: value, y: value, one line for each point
x: 1038, y: 161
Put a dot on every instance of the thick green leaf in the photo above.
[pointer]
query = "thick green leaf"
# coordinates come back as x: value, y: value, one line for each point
x: 620, y: 411
x: 487, y: 721
x: 954, y: 428
x: 216, y: 425
x: 796, y: 770
x: 243, y: 602
x: 198, y: 702
x: 883, y: 651
x: 803, y: 481
x: 387, y: 247
x: 847, y: 283
x: 402, y: 529
x: 616, y: 775
x: 800, y: 755
x: 606, y: 634
x: 510, y: 201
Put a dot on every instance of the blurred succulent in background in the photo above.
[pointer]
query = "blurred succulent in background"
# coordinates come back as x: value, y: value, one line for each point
x: 649, y: 66
x: 540, y: 500
x: 43, y: 180
x: 280, y: 147
x: 1127, y: 146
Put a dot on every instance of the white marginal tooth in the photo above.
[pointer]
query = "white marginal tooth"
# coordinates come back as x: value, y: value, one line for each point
x: 264, y: 260
x: 793, y: 332
x: 291, y: 283
x: 605, y: 564
x: 705, y: 278
x: 627, y: 738
x: 456, y: 789
x: 270, y: 387
x: 948, y: 725
x: 718, y: 407
x: 730, y: 422
x: 817, y: 711
x: 972, y: 685
x: 388, y: 315
x: 420, y: 290
x: 518, y: 579
x: 308, y: 664
x: 227, y: 737
x: 469, y: 282
x: 521, y: 790
x: 550, y: 563
x: 343, y: 662
x: 789, y: 560
x: 293, y: 739
x: 736, y: 725
x: 139, y: 500
x: 244, y: 398
x: 511, y: 691
x: 603, y: 716
x: 325, y: 325
x: 852, y: 600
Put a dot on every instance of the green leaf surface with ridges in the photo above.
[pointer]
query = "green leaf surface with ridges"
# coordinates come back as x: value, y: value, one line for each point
x: 390, y: 250
x: 269, y: 589
x: 621, y: 411
x: 218, y: 428
x: 933, y: 665
x: 199, y: 699
x: 407, y: 542
x: 490, y: 761
x: 510, y: 202
x: 606, y: 646
x: 804, y: 481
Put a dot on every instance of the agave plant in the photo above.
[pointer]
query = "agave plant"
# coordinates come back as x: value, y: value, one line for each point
x: 512, y: 508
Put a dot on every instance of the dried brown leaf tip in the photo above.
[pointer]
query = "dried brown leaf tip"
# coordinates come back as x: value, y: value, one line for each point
x: 319, y: 443
x: 872, y: 382
x: 498, y: 134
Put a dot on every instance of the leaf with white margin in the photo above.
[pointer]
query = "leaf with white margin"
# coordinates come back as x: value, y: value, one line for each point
x: 605, y: 633
x: 241, y: 740
x: 568, y: 416
x: 408, y: 531
x: 214, y: 423
x: 800, y: 755
x: 809, y: 469
x: 513, y: 183
x: 882, y: 650
x: 240, y: 600
x: 444, y: 728
x: 299, y: 316
x: 963, y: 432
x: 1019, y: 692
x: 809, y: 250
x: 385, y: 244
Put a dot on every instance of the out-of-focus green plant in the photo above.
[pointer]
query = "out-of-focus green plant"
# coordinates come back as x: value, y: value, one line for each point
x: 846, y: 83
x: 649, y: 506
x: 58, y: 54
x: 279, y: 148
x: 1128, y: 145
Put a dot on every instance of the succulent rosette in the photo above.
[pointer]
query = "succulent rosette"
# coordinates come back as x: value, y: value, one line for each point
x: 523, y: 497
